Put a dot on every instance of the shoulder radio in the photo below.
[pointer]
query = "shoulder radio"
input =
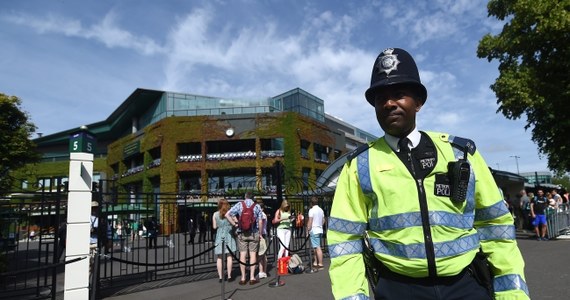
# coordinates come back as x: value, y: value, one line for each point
x: 459, y: 172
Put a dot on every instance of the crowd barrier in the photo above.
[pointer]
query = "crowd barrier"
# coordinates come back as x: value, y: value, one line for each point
x: 273, y: 241
x: 558, y: 221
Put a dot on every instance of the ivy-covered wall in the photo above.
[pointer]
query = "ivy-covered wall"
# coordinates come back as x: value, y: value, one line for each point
x: 33, y: 172
x: 167, y: 134
x: 164, y: 137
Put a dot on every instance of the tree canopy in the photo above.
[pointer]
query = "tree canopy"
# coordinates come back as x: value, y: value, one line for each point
x: 533, y: 51
x: 16, y: 147
x: 564, y: 181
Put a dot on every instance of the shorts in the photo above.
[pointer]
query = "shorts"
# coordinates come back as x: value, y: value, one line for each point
x: 540, y: 219
x: 248, y: 242
x: 316, y: 239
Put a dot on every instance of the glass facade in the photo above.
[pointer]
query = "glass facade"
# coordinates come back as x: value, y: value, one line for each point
x: 304, y: 103
x: 537, y: 177
x: 178, y: 104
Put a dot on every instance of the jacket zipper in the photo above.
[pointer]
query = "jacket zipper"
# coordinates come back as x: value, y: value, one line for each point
x: 430, y: 253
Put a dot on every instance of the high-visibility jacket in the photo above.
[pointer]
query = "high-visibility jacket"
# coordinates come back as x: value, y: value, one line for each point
x: 376, y: 193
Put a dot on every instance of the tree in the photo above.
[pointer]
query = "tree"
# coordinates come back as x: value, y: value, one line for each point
x: 533, y: 51
x: 564, y: 181
x: 16, y: 147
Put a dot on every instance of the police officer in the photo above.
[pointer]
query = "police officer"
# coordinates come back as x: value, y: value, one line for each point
x: 427, y: 203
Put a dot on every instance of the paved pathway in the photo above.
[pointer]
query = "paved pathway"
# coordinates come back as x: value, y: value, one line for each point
x: 547, y: 272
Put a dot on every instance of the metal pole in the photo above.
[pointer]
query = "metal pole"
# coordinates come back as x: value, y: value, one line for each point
x: 517, y: 161
x: 224, y: 266
x: 278, y: 282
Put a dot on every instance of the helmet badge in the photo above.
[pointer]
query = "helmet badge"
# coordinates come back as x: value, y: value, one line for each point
x: 389, y: 62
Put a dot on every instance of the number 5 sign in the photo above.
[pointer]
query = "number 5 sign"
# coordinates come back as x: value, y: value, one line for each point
x: 82, y: 141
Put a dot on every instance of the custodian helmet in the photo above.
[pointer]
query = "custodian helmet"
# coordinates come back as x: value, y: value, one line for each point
x: 394, y: 66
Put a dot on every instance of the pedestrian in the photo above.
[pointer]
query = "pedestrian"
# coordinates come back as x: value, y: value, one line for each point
x: 106, y: 235
x: 134, y: 229
x: 517, y: 209
x: 283, y: 222
x: 246, y: 216
x: 202, y: 227
x: 315, y: 229
x: 223, y: 239
x: 94, y: 224
x: 558, y: 199
x: 62, y: 238
x: 538, y: 208
x: 262, y: 253
x: 526, y: 211
x: 426, y: 202
x: 151, y: 232
x: 191, y: 230
x: 119, y: 230
x: 300, y: 224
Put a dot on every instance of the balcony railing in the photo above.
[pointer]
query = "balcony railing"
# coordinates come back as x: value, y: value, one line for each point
x: 153, y: 164
x: 133, y: 171
x: 230, y: 156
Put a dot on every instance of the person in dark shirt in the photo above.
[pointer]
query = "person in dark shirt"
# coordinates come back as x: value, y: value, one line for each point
x: 62, y: 237
x: 538, y: 211
x: 202, y: 227
x: 191, y: 230
x: 152, y: 232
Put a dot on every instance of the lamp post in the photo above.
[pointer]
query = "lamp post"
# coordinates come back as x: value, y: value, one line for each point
x: 517, y: 161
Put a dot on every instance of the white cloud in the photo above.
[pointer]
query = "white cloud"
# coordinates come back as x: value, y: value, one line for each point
x: 49, y: 24
x: 447, y: 119
x: 316, y: 57
x: 424, y: 22
x: 106, y: 32
x: 243, y: 49
x: 433, y: 27
x: 113, y: 36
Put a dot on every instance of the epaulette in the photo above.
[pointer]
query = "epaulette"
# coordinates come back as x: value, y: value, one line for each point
x: 357, y: 151
x: 463, y: 144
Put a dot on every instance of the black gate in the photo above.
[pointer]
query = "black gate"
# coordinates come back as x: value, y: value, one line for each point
x: 29, y: 251
x: 128, y: 259
x: 32, y: 260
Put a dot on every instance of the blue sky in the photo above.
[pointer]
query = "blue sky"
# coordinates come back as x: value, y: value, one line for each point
x: 74, y: 62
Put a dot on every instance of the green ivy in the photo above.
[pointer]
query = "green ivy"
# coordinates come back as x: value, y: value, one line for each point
x: 290, y: 126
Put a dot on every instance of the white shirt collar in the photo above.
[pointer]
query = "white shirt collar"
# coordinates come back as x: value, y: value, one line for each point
x: 414, y: 138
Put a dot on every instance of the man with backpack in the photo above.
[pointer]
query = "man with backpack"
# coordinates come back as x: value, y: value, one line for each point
x: 246, y: 216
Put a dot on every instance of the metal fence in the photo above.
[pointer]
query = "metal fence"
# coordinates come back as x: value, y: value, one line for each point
x: 558, y: 220
x: 29, y: 253
x: 32, y: 251
x: 131, y: 255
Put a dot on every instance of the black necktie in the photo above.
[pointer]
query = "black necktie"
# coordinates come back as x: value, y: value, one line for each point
x: 403, y: 144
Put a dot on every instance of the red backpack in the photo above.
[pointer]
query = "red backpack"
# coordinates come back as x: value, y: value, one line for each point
x: 247, y: 218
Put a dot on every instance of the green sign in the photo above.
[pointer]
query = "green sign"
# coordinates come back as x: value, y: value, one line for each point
x: 132, y: 149
x: 82, y: 142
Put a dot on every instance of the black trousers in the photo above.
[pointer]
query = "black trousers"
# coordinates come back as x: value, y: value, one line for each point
x: 462, y: 286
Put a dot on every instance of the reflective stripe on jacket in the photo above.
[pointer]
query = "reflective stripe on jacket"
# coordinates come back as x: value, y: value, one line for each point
x: 376, y: 192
